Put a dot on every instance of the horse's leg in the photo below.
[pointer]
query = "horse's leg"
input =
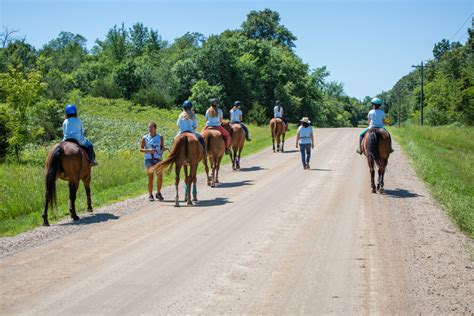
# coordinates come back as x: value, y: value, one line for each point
x: 283, y: 142
x: 233, y: 156
x: 87, y: 187
x: 238, y: 157
x: 176, y: 183
x: 188, y: 181
x: 193, y: 181
x: 213, y: 166
x: 186, y: 187
x: 380, y: 180
x: 72, y: 199
x: 45, y: 212
x: 273, y: 141
x: 372, y: 174
x: 218, y: 165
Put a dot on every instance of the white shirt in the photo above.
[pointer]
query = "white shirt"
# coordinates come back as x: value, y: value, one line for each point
x: 305, y: 134
x: 214, y: 121
x: 276, y: 112
x: 376, y: 118
x: 235, y: 115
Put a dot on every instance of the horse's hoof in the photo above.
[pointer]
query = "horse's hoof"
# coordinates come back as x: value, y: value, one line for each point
x: 45, y: 224
x: 381, y: 191
x: 75, y: 218
x: 374, y: 191
x: 190, y: 203
x: 90, y: 210
x: 195, y: 199
x: 176, y: 205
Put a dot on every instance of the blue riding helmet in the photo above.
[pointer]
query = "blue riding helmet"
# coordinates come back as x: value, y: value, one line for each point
x: 71, y: 109
x: 237, y: 103
x: 214, y: 101
x: 187, y: 104
x: 376, y: 101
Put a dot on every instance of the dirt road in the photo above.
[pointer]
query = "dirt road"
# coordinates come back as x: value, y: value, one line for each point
x: 272, y: 238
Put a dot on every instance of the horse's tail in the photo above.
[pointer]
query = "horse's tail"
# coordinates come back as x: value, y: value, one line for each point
x: 52, y: 168
x: 273, y: 127
x: 168, y: 163
x: 373, y: 147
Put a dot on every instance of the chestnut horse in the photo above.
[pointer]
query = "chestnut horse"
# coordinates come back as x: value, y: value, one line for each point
x: 278, y: 129
x: 67, y: 161
x: 186, y: 152
x: 237, y: 142
x: 215, y: 151
x: 376, y: 147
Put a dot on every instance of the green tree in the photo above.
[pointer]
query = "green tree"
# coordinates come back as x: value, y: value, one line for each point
x: 202, y: 92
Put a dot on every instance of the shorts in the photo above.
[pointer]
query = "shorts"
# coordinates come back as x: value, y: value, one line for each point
x: 151, y: 162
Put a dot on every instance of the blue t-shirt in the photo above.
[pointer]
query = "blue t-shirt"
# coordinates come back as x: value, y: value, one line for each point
x: 155, y: 143
x: 72, y: 128
x: 305, y: 134
x: 376, y: 117
x: 235, y: 115
x: 216, y: 120
x: 186, y: 124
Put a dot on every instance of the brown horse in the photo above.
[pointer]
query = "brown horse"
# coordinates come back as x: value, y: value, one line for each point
x: 67, y: 161
x: 186, y: 152
x: 376, y: 146
x: 215, y: 151
x: 237, y: 142
x: 278, y: 129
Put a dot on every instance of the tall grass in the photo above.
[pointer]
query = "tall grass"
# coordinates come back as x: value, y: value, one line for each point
x: 444, y: 158
x: 116, y: 127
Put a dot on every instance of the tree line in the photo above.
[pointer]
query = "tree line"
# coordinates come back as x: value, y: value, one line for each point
x: 255, y: 64
x: 448, y: 88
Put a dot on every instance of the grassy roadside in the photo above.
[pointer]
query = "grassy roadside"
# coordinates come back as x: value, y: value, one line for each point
x: 120, y: 175
x: 444, y: 158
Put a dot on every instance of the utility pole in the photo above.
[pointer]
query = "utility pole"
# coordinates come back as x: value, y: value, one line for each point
x: 422, y: 94
x: 398, y: 99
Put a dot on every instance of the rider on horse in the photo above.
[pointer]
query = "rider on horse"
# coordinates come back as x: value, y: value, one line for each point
x: 278, y: 113
x: 214, y: 118
x: 236, y: 117
x: 73, y: 130
x: 376, y: 119
x: 187, y: 122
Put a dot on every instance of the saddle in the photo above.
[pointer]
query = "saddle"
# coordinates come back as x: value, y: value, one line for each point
x: 81, y: 148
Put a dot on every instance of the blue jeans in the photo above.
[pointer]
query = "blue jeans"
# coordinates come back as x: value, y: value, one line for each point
x: 305, y: 150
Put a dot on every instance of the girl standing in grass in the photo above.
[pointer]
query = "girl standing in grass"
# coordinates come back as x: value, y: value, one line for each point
x: 152, y: 147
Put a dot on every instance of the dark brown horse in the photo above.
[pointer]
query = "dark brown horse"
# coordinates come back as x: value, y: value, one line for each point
x: 187, y: 152
x: 215, y: 151
x: 278, y: 129
x: 67, y: 161
x: 237, y: 142
x: 376, y: 146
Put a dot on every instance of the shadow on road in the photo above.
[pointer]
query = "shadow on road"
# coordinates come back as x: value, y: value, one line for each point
x: 214, y: 202
x: 254, y: 168
x: 401, y: 193
x: 317, y: 169
x: 290, y: 151
x: 94, y: 218
x: 234, y: 184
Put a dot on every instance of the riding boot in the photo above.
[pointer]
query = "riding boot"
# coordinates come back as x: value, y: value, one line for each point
x: 359, y: 149
x: 91, y: 154
x: 246, y: 131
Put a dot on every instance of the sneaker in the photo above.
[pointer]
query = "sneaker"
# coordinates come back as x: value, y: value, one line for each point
x: 249, y: 139
x: 94, y: 163
x: 391, y: 150
x: 151, y: 198
x: 358, y: 151
x: 159, y: 196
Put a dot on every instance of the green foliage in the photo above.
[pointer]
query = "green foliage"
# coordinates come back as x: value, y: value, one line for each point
x: 449, y: 92
x: 257, y: 114
x: 202, y: 92
x: 444, y: 157
x: 21, y: 92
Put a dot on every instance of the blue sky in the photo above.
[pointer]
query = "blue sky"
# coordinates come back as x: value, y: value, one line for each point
x: 366, y: 44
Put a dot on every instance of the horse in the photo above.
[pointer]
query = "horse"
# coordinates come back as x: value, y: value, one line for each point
x: 237, y: 142
x: 215, y: 151
x: 186, y: 152
x: 67, y: 161
x: 278, y: 129
x: 376, y: 147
